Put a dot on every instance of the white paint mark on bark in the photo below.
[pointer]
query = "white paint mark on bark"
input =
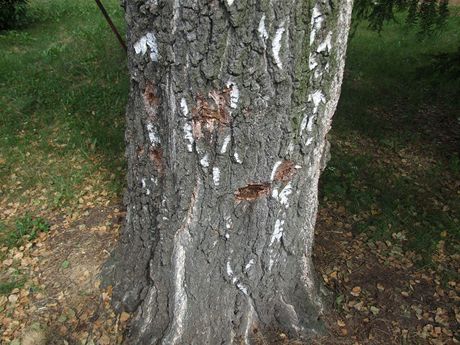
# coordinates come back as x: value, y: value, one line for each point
x: 204, y: 161
x: 241, y: 287
x: 229, y: 269
x: 153, y: 136
x: 316, y: 12
x: 228, y: 223
x: 312, y: 63
x: 149, y: 301
x: 275, y: 167
x: 145, y: 43
x: 278, y: 231
x: 249, y: 265
x: 317, y: 20
x: 310, y: 123
x: 225, y: 144
x: 263, y: 34
x: 144, y: 185
x: 340, y: 44
x: 234, y: 94
x: 312, y: 37
x: 235, y: 279
x: 227, y: 236
x: 276, y: 45
x: 249, y: 321
x: 303, y: 124
x: 216, y: 175
x: 180, y: 295
x: 318, y: 73
x: 284, y: 194
x: 184, y: 107
x: 237, y: 158
x: 181, y: 239
x: 326, y: 45
x: 188, y: 135
x: 317, y: 98
x: 230, y: 2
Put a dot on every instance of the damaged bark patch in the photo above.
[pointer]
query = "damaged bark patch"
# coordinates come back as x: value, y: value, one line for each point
x: 286, y: 171
x: 150, y: 94
x: 212, y: 112
x: 139, y: 151
x: 156, y: 156
x: 253, y: 191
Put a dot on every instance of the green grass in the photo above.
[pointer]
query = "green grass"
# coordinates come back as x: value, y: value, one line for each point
x: 383, y: 78
x: 7, y: 287
x: 395, y: 158
x: 63, y: 89
x: 25, y: 228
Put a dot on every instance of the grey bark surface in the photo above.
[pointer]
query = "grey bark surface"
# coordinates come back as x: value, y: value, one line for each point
x: 230, y: 104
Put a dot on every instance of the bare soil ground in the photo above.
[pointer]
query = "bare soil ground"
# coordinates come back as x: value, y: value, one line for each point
x: 379, y: 295
x: 61, y: 301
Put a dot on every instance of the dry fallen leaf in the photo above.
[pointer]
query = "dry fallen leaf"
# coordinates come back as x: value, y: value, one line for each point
x: 356, y: 291
x: 374, y: 310
x: 13, y: 298
x: 124, y: 316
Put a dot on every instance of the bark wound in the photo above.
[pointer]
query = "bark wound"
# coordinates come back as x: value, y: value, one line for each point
x: 150, y: 94
x: 151, y: 100
x: 211, y: 114
x: 286, y: 171
x: 156, y: 156
x: 139, y: 151
x: 253, y: 191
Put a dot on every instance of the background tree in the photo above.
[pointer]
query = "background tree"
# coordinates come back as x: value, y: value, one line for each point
x: 229, y: 107
x: 427, y: 14
x: 12, y: 12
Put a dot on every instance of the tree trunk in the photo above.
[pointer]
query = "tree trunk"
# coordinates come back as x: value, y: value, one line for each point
x: 230, y: 103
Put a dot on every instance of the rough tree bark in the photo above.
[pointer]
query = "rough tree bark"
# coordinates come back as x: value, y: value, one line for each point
x: 230, y: 103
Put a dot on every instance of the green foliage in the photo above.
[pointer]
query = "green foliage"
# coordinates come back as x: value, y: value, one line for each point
x: 428, y: 15
x: 441, y: 67
x: 26, y: 228
x: 12, y: 13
